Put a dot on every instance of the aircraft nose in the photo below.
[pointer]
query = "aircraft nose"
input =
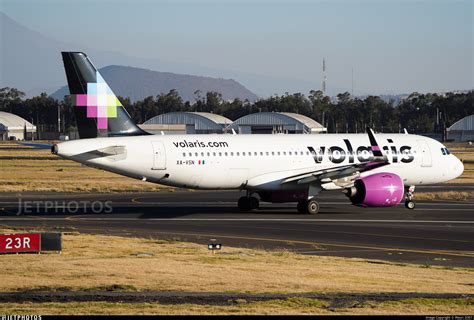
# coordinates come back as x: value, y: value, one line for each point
x: 458, y: 167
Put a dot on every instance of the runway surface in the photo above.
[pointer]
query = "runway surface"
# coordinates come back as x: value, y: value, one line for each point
x: 434, y: 233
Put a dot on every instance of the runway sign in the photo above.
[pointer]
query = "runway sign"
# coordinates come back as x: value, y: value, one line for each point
x: 30, y: 242
x: 15, y: 243
x: 51, y: 242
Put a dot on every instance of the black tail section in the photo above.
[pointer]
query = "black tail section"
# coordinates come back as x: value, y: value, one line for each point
x: 98, y: 111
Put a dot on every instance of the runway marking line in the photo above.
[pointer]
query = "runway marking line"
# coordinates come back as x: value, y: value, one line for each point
x: 308, y: 220
x: 364, y: 234
x: 447, y: 253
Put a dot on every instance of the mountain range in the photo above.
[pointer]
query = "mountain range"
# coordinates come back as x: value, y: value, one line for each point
x: 138, y: 83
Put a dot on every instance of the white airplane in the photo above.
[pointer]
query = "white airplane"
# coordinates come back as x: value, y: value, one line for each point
x: 373, y: 170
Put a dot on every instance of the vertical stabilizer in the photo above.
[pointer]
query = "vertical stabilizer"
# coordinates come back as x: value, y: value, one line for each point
x: 98, y: 111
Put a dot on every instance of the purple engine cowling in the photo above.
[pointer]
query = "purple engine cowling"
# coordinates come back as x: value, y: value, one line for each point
x: 377, y: 190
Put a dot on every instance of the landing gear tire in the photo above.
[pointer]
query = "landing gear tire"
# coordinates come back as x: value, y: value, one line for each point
x: 248, y: 203
x: 254, y: 203
x: 312, y: 207
x: 308, y: 207
x: 409, y: 204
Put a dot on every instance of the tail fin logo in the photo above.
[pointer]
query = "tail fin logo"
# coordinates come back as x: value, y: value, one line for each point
x: 100, y: 101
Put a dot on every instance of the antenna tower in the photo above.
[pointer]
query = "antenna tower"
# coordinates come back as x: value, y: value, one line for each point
x: 324, y: 76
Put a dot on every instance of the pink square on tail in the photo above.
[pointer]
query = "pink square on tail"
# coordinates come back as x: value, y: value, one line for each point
x: 91, y: 111
x: 101, y: 123
x: 81, y: 100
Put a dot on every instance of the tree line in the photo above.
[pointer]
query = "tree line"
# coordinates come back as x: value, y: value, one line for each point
x: 418, y: 113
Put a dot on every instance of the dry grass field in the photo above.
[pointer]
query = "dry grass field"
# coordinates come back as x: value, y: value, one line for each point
x: 292, y: 306
x: 91, y: 262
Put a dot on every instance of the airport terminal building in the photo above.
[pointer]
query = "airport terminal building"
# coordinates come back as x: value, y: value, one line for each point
x: 255, y: 123
x: 186, y: 123
x: 462, y: 130
x: 13, y: 127
x: 276, y: 122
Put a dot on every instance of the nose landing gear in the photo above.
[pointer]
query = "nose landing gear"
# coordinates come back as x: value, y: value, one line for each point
x: 409, y: 204
x: 248, y: 203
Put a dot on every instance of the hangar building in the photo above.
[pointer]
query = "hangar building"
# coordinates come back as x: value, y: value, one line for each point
x: 186, y: 123
x: 462, y: 130
x: 12, y: 127
x: 276, y: 122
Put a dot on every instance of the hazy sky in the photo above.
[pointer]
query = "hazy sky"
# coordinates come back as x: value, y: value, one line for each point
x: 393, y: 46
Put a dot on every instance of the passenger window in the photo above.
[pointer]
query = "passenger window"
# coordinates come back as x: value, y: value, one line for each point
x: 447, y: 151
x: 184, y: 154
x: 214, y: 154
x: 208, y: 154
x: 273, y: 153
x: 225, y: 153
x: 243, y: 153
x: 238, y: 154
x: 231, y: 154
x: 220, y: 154
x: 267, y: 153
x: 443, y: 152
x: 202, y: 154
x: 278, y: 152
x: 196, y: 154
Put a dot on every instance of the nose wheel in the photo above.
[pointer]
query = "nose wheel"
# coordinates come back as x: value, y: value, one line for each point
x: 409, y: 204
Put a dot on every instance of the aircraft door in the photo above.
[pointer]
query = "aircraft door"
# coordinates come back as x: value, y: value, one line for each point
x: 159, y: 156
x: 426, y: 160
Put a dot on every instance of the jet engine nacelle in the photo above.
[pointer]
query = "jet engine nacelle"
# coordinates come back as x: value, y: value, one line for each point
x: 377, y: 190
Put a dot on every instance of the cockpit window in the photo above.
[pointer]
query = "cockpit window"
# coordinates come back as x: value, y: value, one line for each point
x: 445, y: 151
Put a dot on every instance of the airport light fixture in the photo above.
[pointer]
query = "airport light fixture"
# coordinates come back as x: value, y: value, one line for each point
x: 213, y: 246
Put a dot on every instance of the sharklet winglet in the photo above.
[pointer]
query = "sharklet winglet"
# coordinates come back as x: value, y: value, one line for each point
x: 376, y: 150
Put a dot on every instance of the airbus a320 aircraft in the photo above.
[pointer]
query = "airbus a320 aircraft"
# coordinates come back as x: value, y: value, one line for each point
x: 373, y: 170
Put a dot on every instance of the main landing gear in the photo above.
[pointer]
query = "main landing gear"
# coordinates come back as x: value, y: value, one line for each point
x: 248, y: 203
x: 409, y: 204
x: 308, y: 206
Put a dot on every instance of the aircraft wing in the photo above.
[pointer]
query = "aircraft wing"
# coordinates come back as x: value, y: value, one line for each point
x: 344, y: 171
x: 335, y: 172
